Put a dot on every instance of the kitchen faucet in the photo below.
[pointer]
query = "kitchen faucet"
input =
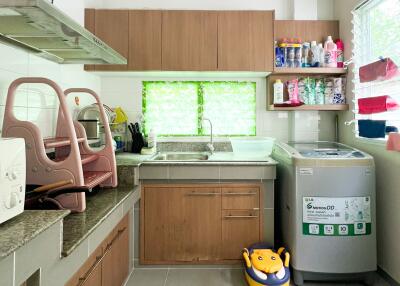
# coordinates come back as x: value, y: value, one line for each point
x: 210, y: 145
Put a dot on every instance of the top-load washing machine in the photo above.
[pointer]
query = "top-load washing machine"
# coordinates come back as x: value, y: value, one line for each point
x: 327, y: 210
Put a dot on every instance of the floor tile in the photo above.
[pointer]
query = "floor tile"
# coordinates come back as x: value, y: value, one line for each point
x: 148, y: 277
x: 205, y: 277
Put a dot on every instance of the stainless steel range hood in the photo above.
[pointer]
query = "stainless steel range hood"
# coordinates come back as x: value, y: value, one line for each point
x: 41, y: 28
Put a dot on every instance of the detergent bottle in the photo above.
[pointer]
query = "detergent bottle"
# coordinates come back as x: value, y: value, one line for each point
x: 340, y: 53
x: 315, y: 57
x: 330, y: 50
x: 321, y: 54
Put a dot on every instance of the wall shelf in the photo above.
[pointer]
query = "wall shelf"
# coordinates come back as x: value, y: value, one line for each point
x: 305, y: 71
x: 321, y: 107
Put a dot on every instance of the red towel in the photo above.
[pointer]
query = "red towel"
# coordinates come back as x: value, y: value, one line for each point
x: 376, y: 104
x: 383, y: 69
x: 393, y: 143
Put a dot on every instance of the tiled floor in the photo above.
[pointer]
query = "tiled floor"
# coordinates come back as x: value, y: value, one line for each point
x: 202, y: 277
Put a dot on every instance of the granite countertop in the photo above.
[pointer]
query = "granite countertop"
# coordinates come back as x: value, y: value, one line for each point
x: 131, y: 159
x: 78, y: 226
x: 218, y: 158
x: 21, y: 229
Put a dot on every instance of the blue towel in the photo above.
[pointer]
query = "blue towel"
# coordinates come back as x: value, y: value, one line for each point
x: 372, y: 128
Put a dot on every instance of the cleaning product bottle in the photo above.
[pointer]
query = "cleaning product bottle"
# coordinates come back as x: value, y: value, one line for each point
x: 330, y: 50
x: 321, y: 55
x: 340, y: 53
x: 305, y: 61
x: 315, y: 54
x: 151, y: 139
x: 298, y: 54
x: 278, y: 92
x: 279, y: 56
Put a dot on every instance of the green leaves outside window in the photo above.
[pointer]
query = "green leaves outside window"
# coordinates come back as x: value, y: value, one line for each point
x: 175, y: 108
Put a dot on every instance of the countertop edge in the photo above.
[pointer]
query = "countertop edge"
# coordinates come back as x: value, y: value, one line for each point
x: 62, y: 215
x: 66, y: 253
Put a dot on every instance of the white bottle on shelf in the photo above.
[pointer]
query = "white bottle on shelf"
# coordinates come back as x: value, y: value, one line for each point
x: 330, y: 50
x: 278, y: 92
x: 151, y: 139
x: 321, y: 55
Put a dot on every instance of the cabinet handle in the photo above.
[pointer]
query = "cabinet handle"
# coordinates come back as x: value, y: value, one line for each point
x: 90, y: 272
x: 241, y: 194
x: 202, y: 194
x: 99, y: 259
x: 121, y: 231
x: 241, y: 216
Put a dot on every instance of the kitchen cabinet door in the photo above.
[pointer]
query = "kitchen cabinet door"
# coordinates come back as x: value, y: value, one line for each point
x: 115, y: 265
x: 122, y: 249
x: 245, y: 41
x: 144, y: 40
x: 181, y: 224
x: 241, y: 198
x: 240, y: 229
x: 112, y: 26
x: 90, y: 272
x: 189, y: 40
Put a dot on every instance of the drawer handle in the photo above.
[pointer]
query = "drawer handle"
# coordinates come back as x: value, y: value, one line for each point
x: 90, y: 272
x: 241, y: 216
x: 241, y: 194
x: 202, y: 194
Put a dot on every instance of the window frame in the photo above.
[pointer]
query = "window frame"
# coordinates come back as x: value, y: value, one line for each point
x: 364, y: 55
x: 200, y: 101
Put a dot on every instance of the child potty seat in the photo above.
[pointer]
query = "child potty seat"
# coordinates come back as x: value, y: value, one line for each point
x: 266, y: 267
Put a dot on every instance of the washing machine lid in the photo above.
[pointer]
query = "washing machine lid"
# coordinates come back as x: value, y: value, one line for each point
x: 325, y: 150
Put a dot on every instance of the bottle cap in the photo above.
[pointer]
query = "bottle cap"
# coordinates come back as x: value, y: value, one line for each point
x: 313, y: 43
x: 278, y: 81
x: 329, y: 39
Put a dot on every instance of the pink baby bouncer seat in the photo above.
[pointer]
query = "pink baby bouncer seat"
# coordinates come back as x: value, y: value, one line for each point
x: 74, y: 160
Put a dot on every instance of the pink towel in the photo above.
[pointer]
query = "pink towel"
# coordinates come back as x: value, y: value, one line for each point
x: 393, y: 143
x: 376, y: 104
x: 383, y: 69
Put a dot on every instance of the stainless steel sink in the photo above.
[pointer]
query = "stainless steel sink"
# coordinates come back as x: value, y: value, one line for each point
x: 183, y: 156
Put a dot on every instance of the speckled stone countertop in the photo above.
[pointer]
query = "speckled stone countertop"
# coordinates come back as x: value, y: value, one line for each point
x: 78, y: 226
x: 218, y: 158
x: 131, y: 159
x: 21, y: 229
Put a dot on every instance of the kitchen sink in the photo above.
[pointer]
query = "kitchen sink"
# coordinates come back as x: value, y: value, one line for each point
x: 183, y: 156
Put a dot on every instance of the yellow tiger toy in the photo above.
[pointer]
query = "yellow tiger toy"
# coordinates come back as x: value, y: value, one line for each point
x: 264, y: 266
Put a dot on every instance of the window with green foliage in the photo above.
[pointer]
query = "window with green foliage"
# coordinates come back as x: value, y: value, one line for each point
x: 175, y: 108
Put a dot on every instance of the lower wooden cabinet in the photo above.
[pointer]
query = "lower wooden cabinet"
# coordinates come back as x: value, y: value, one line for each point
x: 206, y: 223
x: 109, y: 263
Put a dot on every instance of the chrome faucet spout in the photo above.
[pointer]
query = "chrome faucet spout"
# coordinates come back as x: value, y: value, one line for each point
x: 210, y: 145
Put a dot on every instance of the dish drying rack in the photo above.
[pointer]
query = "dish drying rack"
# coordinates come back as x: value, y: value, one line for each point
x: 74, y: 159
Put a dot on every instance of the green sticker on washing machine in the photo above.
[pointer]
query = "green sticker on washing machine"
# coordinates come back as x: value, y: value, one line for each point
x: 326, y: 216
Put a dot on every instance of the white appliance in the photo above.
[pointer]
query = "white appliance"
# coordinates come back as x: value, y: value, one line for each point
x: 327, y: 212
x: 12, y: 177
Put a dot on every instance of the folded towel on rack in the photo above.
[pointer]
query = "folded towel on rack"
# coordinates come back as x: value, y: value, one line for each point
x: 376, y: 104
x: 372, y: 128
x: 393, y: 143
x: 383, y: 69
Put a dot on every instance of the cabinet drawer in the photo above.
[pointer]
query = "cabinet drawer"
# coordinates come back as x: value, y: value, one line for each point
x: 245, y: 198
x: 88, y: 270
x: 240, y: 229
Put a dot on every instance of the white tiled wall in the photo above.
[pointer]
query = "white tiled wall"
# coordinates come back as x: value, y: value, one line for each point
x: 38, y: 103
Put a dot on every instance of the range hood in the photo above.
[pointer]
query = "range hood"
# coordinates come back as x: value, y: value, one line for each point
x: 42, y: 29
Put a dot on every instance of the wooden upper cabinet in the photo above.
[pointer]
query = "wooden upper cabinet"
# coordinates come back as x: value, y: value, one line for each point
x: 144, y: 40
x: 189, y: 40
x: 112, y: 26
x: 245, y: 40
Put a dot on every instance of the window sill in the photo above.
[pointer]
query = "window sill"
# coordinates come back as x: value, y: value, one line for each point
x: 376, y: 142
x: 192, y: 139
